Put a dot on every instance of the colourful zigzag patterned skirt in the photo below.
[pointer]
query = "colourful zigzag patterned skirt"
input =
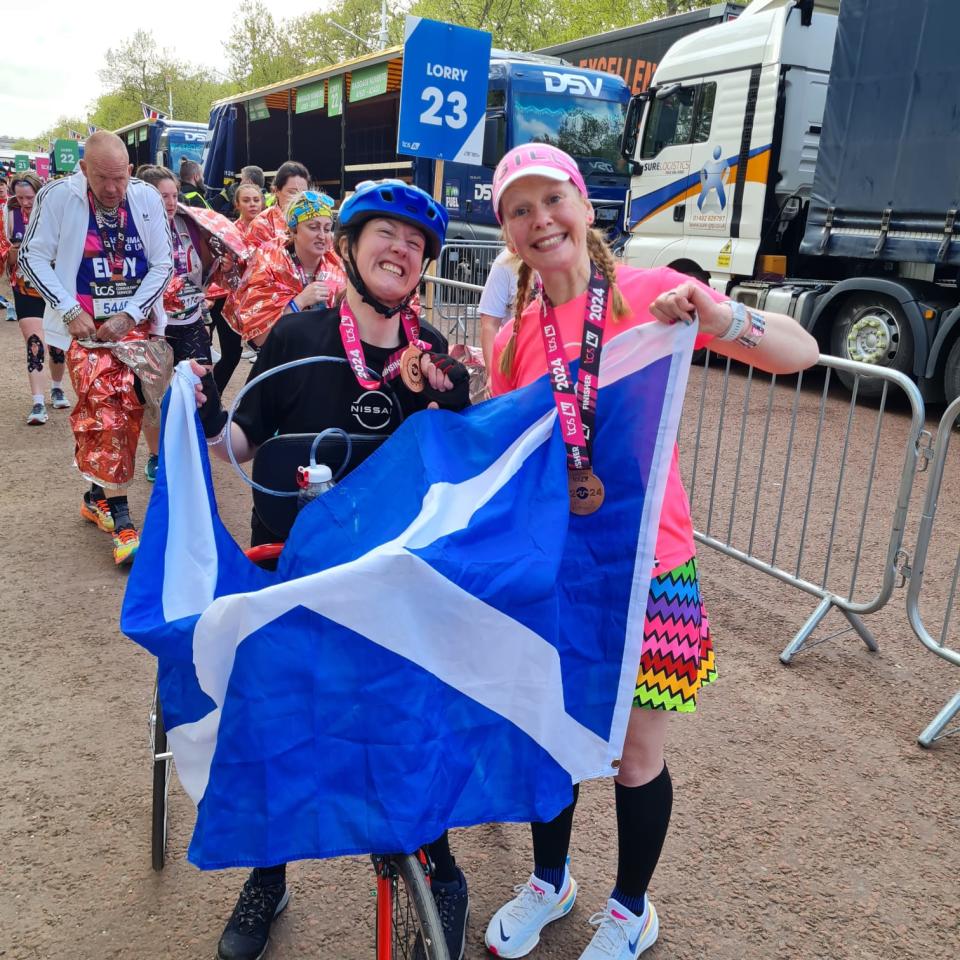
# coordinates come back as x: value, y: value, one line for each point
x: 677, y: 657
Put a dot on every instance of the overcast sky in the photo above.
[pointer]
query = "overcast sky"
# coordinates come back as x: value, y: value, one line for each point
x: 50, y: 63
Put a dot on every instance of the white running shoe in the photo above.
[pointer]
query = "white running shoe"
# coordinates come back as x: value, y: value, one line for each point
x: 37, y: 415
x: 515, y: 928
x: 622, y: 935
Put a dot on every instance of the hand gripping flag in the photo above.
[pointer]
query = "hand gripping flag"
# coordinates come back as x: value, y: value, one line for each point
x: 443, y: 642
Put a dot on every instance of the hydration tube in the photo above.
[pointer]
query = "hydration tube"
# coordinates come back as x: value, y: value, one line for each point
x: 330, y: 431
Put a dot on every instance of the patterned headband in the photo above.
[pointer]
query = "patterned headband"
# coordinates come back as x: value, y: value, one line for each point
x: 311, y: 206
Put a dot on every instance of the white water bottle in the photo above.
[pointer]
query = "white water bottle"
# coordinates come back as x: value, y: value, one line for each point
x: 313, y: 481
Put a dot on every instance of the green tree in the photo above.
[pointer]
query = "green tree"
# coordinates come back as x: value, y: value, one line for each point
x: 261, y: 50
x: 139, y: 72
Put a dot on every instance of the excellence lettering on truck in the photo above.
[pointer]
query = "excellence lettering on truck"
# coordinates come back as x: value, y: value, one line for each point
x: 798, y: 160
x: 342, y: 123
x: 634, y: 52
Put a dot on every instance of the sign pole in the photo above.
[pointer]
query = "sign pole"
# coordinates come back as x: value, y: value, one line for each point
x: 438, y: 196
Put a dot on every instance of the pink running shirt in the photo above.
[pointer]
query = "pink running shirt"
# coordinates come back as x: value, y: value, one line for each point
x: 639, y: 288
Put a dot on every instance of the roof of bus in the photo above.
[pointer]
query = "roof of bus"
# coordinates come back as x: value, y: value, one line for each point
x: 177, y: 123
x: 367, y: 60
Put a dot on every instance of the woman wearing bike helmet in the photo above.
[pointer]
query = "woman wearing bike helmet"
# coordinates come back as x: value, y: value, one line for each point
x: 387, y: 233
x: 290, y: 274
x: 540, y: 199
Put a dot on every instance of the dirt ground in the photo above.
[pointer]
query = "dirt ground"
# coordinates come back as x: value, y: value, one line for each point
x: 807, y: 822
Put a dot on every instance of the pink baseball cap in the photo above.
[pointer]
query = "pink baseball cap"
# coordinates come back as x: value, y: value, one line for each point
x: 534, y: 160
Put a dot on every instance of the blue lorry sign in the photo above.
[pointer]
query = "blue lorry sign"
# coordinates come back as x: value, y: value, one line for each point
x: 443, y: 92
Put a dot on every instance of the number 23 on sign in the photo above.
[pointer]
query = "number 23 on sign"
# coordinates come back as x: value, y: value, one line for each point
x: 456, y: 102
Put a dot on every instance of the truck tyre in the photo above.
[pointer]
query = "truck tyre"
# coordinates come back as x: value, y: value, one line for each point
x: 951, y: 373
x: 872, y: 328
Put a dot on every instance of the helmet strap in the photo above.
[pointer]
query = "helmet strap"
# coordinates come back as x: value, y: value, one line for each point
x: 356, y: 281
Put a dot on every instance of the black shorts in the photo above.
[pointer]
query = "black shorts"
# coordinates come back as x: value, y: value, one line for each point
x: 190, y: 341
x: 27, y: 306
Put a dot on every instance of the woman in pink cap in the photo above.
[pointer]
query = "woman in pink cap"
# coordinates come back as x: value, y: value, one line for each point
x: 540, y: 199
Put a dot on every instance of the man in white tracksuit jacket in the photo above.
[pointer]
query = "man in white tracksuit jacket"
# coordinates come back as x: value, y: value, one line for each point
x: 98, y: 250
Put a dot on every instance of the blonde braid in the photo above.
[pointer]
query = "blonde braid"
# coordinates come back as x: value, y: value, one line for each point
x: 524, y: 283
x: 601, y: 255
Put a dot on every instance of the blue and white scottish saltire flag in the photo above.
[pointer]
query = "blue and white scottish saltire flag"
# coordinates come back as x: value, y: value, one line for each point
x: 443, y: 643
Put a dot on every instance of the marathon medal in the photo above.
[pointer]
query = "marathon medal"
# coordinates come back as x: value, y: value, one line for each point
x: 410, y: 372
x: 577, y: 403
x: 586, y: 492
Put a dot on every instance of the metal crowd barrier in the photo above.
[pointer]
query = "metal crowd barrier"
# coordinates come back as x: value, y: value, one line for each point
x: 940, y: 643
x: 806, y: 509
x: 453, y: 294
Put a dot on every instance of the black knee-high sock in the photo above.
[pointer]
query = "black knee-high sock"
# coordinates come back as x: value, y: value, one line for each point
x: 643, y: 816
x: 551, y: 843
x: 444, y: 864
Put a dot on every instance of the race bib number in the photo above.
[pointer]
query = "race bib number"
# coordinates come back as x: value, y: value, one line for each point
x: 110, y: 297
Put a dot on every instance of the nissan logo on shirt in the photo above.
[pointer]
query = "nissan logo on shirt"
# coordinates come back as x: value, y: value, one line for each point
x: 372, y: 410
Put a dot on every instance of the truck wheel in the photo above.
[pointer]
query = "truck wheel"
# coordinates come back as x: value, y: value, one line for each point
x: 951, y: 373
x: 872, y: 329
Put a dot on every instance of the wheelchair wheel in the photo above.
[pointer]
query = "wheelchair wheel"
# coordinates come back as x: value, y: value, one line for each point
x: 161, y: 784
x: 408, y: 925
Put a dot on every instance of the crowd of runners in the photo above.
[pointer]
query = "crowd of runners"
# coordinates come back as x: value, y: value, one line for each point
x: 117, y: 277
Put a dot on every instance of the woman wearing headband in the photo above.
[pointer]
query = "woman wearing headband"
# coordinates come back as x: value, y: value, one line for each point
x: 540, y: 199
x: 292, y: 274
x: 30, y: 305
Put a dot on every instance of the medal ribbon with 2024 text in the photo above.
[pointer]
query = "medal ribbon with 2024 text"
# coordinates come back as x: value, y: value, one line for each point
x: 577, y: 403
x: 353, y: 348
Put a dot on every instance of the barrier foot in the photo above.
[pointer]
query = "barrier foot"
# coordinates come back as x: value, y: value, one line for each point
x: 865, y: 635
x: 939, y: 722
x: 803, y: 635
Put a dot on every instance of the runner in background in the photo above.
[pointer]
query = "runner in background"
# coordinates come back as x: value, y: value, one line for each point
x: 30, y: 305
x: 540, y: 199
x: 292, y: 178
x: 293, y: 273
x: 185, y: 329
x: 5, y: 248
x: 248, y: 202
x: 98, y: 249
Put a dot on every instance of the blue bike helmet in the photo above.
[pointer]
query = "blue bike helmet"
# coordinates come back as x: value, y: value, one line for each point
x: 397, y: 201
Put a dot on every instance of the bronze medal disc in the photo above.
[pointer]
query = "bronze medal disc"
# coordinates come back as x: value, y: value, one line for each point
x: 410, y: 372
x: 586, y: 492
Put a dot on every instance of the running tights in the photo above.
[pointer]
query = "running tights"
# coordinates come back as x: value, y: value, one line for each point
x: 230, y: 346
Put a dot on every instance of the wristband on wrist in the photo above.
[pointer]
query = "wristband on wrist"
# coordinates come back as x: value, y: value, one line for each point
x: 294, y: 306
x: 751, y: 337
x: 738, y: 321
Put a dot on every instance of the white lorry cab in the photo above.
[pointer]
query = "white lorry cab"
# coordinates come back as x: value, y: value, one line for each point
x: 786, y: 157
